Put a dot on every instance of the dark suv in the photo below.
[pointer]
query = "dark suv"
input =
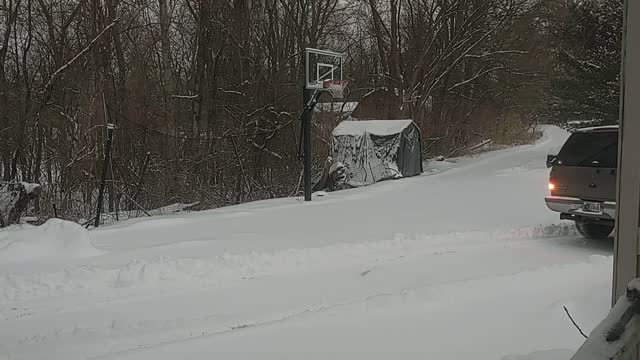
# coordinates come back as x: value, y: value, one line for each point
x: 583, y: 181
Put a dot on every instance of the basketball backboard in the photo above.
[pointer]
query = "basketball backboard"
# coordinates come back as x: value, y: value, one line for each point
x: 320, y: 66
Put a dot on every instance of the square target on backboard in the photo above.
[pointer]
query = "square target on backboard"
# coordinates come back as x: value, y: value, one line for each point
x: 322, y: 65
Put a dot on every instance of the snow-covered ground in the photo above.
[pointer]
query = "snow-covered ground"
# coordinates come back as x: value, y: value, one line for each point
x: 462, y: 262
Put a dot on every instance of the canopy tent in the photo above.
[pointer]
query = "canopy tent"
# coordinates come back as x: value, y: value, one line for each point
x: 377, y: 150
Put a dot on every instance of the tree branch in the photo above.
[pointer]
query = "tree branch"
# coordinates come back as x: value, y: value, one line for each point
x: 574, y: 323
x: 477, y: 76
x: 266, y: 151
x: 79, y: 55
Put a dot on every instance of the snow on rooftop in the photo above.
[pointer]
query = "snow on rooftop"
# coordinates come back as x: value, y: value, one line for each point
x: 374, y: 127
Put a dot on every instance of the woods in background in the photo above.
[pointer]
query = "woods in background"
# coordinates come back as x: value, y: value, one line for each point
x: 206, y: 94
x: 587, y: 85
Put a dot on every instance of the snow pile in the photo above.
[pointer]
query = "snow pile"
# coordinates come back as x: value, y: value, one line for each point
x: 30, y: 187
x: 56, y: 238
x: 549, y: 231
x: 225, y: 269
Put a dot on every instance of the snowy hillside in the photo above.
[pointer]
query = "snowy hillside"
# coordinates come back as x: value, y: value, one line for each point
x: 461, y: 263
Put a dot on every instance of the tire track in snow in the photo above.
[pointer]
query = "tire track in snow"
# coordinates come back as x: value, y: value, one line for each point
x: 213, y: 272
x: 412, y: 250
x: 426, y: 295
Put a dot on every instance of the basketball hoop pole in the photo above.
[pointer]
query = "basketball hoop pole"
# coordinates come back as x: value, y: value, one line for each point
x: 309, y: 100
x: 307, y: 97
x: 323, y: 72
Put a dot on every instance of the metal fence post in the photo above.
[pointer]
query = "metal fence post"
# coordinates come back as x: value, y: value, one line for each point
x: 105, y: 169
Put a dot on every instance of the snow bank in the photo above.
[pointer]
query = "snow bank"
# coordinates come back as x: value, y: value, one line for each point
x: 227, y: 268
x: 56, y: 238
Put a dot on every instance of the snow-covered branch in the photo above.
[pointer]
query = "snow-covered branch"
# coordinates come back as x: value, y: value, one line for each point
x: 79, y: 55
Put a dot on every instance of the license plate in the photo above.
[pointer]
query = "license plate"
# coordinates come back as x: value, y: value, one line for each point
x: 592, y: 207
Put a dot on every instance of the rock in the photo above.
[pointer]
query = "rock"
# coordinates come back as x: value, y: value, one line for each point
x: 333, y: 176
x: 14, y: 199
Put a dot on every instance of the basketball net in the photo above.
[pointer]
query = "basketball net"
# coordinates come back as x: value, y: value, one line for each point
x: 335, y: 87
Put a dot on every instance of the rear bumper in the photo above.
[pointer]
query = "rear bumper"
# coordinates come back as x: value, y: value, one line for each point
x: 573, y: 207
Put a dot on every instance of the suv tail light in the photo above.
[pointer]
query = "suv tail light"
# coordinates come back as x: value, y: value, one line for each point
x: 552, y: 186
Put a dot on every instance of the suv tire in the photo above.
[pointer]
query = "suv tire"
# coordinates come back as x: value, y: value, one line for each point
x: 592, y: 230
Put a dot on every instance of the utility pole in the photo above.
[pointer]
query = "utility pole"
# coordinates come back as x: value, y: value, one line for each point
x: 105, y: 169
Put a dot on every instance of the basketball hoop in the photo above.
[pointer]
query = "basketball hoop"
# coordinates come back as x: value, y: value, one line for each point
x: 335, y: 87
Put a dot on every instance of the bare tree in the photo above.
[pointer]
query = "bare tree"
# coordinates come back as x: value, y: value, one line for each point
x: 205, y: 93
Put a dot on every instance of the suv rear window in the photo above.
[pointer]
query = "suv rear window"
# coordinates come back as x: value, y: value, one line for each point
x: 594, y: 149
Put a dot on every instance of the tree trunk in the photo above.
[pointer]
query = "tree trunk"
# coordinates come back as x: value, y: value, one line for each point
x: 37, y: 171
x: 120, y: 87
x: 167, y: 82
x: 202, y: 59
x: 394, y: 67
x: 377, y: 29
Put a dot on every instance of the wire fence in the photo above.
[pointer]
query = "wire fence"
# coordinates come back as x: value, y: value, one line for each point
x: 156, y: 173
x: 159, y: 166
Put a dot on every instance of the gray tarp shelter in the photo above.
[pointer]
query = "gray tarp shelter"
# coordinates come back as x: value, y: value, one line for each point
x: 377, y: 150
